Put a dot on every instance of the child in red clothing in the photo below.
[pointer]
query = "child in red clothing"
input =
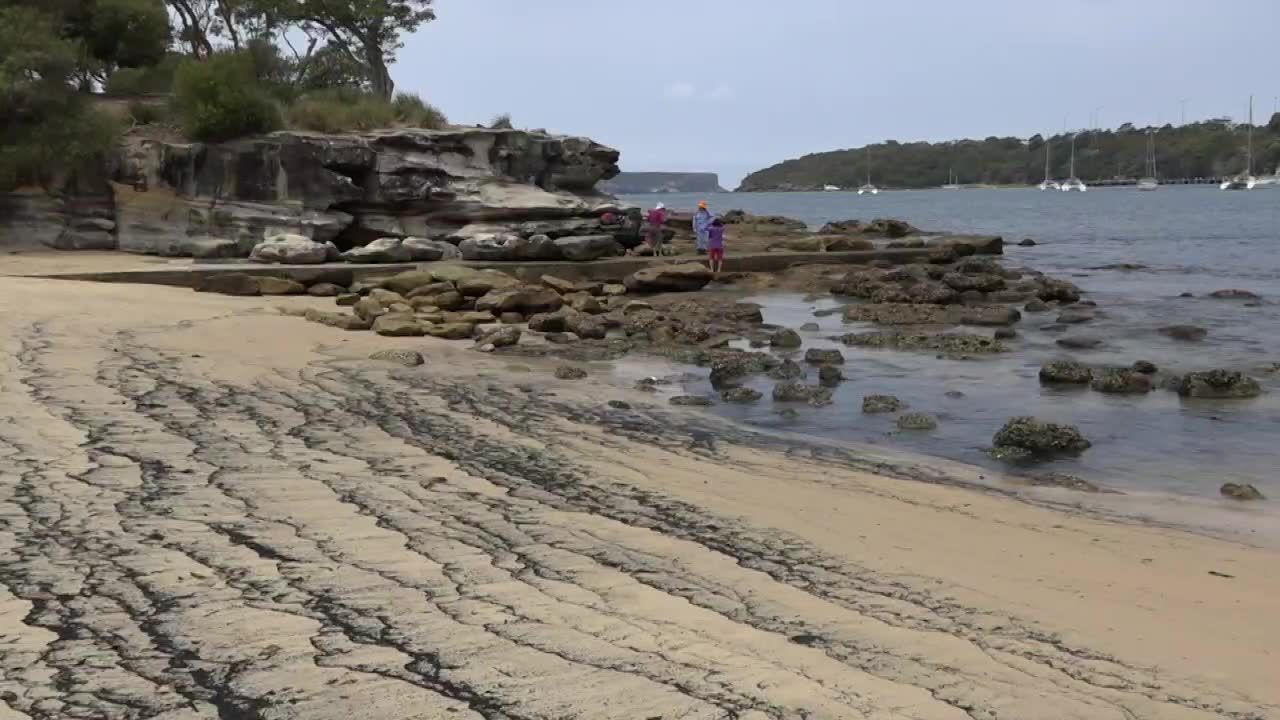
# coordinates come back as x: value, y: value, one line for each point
x: 715, y: 245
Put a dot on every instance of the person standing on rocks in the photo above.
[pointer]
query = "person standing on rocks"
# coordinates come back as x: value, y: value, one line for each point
x: 657, y: 219
x: 701, y: 227
x: 715, y: 245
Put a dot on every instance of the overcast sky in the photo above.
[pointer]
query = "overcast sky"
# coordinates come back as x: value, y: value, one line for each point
x: 732, y: 86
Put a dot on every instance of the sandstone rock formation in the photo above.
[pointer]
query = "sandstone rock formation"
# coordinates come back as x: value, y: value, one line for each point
x: 224, y: 199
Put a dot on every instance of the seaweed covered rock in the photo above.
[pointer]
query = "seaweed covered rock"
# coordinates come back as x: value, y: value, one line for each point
x: 876, y: 404
x: 1040, y: 438
x: 791, y: 391
x: 1066, y: 371
x: 1218, y: 384
x: 1122, y: 381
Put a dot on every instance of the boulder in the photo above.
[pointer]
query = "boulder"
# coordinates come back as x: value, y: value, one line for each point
x: 786, y: 370
x: 338, y: 320
x: 1233, y: 294
x: 815, y: 395
x: 1218, y: 384
x: 398, y: 325
x: 1145, y: 367
x: 386, y: 298
x: 451, y: 330
x: 507, y: 246
x: 1122, y: 381
x: 424, y: 250
x: 917, y: 421
x: 549, y: 322
x: 368, y: 308
x: 1079, y: 342
x: 587, y: 247
x: 280, y: 286
x: 347, y: 299
x: 686, y: 277
x: 830, y: 376
x: 1027, y: 242
x: 447, y: 300
x: 1036, y: 306
x: 408, y: 282
x: 613, y: 290
x: 1065, y: 371
x: 584, y: 303
x: 228, y: 284
x: 566, y: 287
x: 824, y: 356
x: 1060, y: 290
x: 505, y: 336
x: 1074, y: 317
x: 729, y: 367
x: 586, y: 326
x: 1040, y: 438
x: 382, y: 250
x: 325, y: 290
x: 691, y: 401
x: 407, y: 358
x: 569, y: 372
x: 291, y: 249
x: 1004, y: 333
x: 848, y: 244
x: 480, y: 282
x: 877, y: 404
x: 740, y: 395
x: 1187, y: 333
x: 1240, y: 491
x: 785, y: 338
x: 511, y: 318
x: 431, y: 289
x: 525, y: 299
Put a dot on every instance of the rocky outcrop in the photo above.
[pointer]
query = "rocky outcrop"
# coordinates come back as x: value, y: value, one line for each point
x: 686, y: 277
x: 167, y: 198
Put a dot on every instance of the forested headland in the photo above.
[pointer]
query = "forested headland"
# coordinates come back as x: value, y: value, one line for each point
x: 1212, y: 148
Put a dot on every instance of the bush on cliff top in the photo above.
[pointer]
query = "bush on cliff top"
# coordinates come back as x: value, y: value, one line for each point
x: 221, y: 99
x: 350, y: 109
x: 412, y: 111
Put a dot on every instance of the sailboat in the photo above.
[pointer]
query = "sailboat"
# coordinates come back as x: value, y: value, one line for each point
x: 831, y: 188
x: 1149, y: 181
x: 951, y: 181
x: 1246, y: 181
x: 1073, y: 182
x: 868, y: 189
x: 1049, y: 183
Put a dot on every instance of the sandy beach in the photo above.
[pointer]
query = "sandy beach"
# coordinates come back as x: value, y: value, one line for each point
x: 213, y: 510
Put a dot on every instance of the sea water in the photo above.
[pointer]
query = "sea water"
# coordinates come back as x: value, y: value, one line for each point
x: 1187, y: 239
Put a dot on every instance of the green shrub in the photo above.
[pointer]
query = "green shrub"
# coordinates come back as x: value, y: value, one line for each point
x: 501, y: 122
x: 220, y: 99
x: 412, y: 111
x: 43, y: 151
x: 340, y: 110
x: 145, y: 113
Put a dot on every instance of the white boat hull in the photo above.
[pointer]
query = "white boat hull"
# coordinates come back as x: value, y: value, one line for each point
x: 1148, y: 184
x: 1074, y: 185
x: 868, y: 190
x: 1049, y: 185
x: 1248, y: 183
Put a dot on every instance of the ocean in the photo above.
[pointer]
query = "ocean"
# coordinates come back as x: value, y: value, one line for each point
x: 1183, y: 239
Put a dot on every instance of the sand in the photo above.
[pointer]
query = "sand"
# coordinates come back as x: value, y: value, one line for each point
x: 209, y: 509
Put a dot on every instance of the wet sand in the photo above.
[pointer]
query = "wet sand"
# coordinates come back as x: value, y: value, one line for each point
x: 212, y: 510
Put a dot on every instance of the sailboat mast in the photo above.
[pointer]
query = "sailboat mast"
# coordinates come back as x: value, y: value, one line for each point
x: 1248, y: 153
x: 868, y: 164
x: 1047, y: 145
x: 1073, y: 155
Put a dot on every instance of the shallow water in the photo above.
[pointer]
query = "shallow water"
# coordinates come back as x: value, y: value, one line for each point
x: 1186, y: 239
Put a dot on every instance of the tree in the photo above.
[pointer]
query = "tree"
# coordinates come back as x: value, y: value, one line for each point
x: 367, y: 32
x: 46, y: 128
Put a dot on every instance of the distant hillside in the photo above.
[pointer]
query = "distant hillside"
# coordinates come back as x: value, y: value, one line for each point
x: 632, y: 183
x: 1206, y: 149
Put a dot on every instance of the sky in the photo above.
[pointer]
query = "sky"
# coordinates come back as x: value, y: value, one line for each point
x: 732, y: 86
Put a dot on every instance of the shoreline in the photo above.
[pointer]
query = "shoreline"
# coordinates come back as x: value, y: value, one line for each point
x: 479, y: 515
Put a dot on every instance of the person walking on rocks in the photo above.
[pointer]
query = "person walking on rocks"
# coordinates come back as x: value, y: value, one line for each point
x: 715, y: 245
x: 701, y: 226
x: 657, y: 220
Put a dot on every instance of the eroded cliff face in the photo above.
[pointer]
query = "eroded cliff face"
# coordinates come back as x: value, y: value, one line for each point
x: 220, y: 200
